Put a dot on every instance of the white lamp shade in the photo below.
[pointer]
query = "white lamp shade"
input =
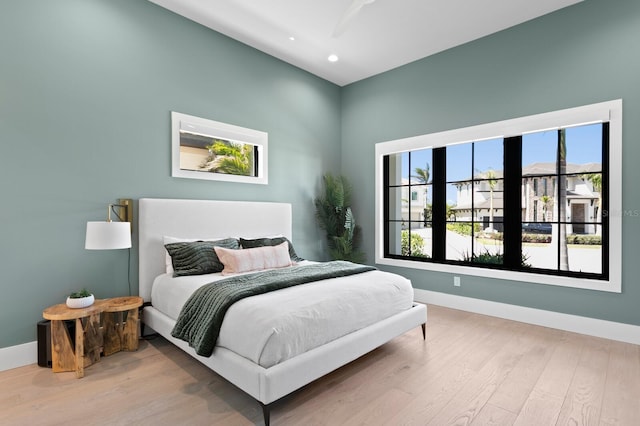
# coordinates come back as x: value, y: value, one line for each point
x: 108, y: 235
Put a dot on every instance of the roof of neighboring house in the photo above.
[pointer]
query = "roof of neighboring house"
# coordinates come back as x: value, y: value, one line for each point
x: 497, y: 174
x: 533, y: 169
x: 485, y: 205
x: 540, y: 168
x: 580, y: 196
x: 550, y: 168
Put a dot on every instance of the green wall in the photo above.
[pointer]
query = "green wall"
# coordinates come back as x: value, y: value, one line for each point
x: 86, y: 90
x: 580, y: 55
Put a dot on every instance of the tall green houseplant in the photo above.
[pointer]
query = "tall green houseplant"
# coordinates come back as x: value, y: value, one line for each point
x: 334, y: 215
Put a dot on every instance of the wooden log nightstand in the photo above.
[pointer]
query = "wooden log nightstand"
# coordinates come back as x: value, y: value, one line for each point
x: 120, y: 327
x: 65, y: 355
x: 118, y: 332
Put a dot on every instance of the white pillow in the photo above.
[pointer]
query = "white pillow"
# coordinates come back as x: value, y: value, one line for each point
x: 254, y: 259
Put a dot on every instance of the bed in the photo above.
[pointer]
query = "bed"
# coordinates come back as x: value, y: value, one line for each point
x: 269, y: 378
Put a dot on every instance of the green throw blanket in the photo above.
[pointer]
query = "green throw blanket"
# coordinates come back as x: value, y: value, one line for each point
x: 201, y: 316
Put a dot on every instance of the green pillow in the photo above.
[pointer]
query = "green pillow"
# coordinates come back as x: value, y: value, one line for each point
x: 261, y: 242
x: 198, y: 257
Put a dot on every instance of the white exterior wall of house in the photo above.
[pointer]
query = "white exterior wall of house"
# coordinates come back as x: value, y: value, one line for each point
x: 582, y: 203
x: 464, y: 197
x: 533, y: 206
x: 581, y: 198
x: 480, y: 195
x: 413, y: 203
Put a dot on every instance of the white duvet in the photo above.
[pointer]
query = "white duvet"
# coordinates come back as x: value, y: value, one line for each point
x: 273, y: 327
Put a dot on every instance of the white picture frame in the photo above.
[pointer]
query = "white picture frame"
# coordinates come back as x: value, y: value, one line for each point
x: 241, y: 154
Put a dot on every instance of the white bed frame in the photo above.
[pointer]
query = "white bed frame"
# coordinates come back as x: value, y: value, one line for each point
x: 218, y: 219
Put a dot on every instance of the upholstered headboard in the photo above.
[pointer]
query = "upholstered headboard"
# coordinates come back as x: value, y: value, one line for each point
x: 204, y: 219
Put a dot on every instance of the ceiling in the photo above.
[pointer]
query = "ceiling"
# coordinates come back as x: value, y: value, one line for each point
x: 381, y: 35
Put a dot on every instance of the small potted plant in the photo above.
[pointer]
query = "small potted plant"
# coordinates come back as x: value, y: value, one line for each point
x: 80, y: 299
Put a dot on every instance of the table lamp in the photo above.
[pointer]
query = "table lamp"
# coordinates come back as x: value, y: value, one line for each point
x: 111, y: 235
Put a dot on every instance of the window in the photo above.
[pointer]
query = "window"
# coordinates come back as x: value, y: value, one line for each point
x: 529, y: 199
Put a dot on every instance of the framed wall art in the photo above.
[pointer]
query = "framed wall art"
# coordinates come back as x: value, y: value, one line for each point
x: 211, y: 150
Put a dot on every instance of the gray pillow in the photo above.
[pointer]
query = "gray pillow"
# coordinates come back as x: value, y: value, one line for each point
x: 261, y: 242
x: 198, y: 257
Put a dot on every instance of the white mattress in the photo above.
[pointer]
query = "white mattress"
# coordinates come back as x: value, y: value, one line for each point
x: 273, y: 327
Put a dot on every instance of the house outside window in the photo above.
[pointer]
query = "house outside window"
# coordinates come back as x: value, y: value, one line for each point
x: 527, y: 206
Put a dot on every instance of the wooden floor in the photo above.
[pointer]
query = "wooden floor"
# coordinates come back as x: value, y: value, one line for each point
x: 472, y: 369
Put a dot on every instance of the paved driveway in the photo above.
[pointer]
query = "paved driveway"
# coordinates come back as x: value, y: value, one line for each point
x: 581, y: 258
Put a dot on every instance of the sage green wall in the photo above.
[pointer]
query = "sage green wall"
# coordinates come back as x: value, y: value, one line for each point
x: 86, y: 90
x: 580, y: 55
x: 86, y: 87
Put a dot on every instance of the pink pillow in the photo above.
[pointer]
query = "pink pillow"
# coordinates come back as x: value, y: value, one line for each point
x: 253, y: 259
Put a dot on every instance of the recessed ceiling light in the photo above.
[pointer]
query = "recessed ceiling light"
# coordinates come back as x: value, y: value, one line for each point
x: 292, y: 38
x: 333, y: 58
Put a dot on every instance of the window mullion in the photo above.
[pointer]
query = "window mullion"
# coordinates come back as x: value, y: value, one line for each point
x: 439, y: 204
x: 385, y: 198
x: 512, y: 216
x: 473, y: 202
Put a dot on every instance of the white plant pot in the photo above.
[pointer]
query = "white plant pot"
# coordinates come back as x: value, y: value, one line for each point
x: 80, y: 302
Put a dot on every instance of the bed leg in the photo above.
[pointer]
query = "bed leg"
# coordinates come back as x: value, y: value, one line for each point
x: 424, y: 331
x: 266, y: 412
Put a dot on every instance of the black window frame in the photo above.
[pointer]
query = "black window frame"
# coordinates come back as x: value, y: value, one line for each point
x: 512, y: 208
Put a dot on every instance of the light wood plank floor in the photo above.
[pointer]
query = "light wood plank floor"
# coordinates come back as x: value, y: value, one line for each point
x: 473, y: 369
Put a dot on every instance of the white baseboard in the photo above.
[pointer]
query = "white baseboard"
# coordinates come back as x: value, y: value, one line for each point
x: 19, y: 355
x: 590, y: 326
